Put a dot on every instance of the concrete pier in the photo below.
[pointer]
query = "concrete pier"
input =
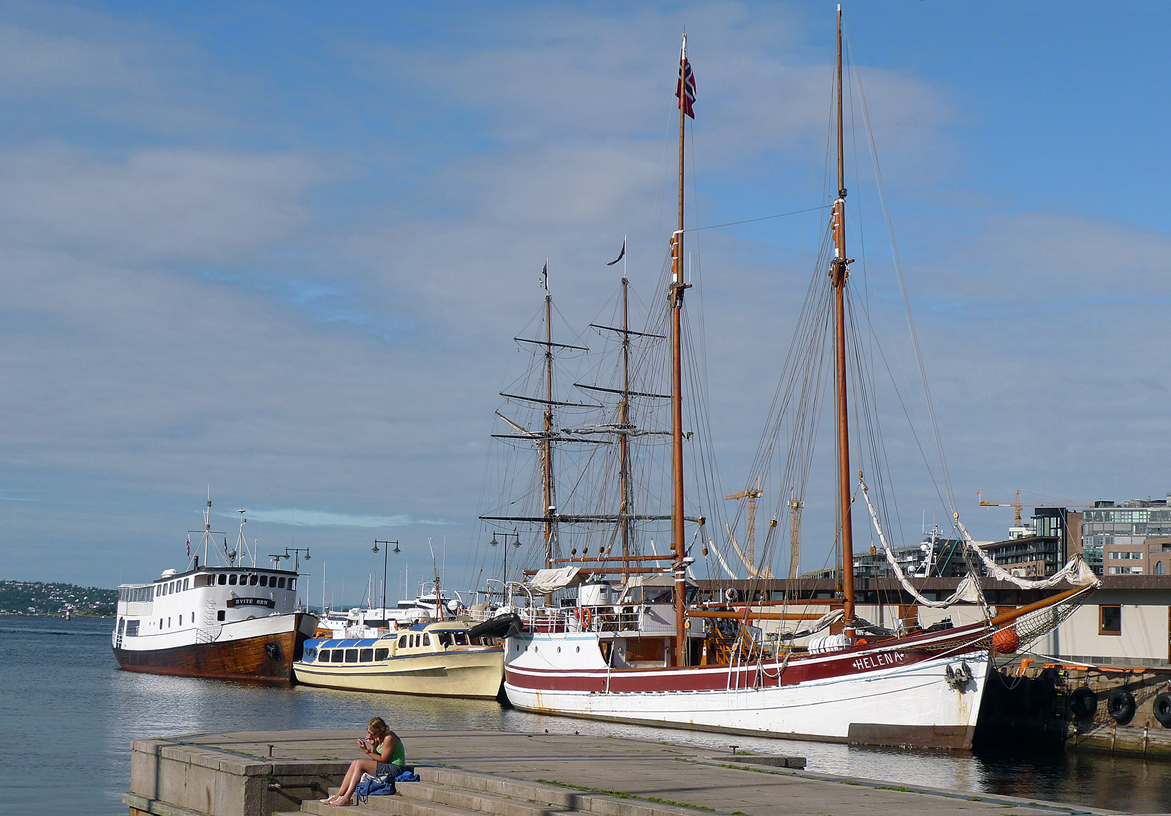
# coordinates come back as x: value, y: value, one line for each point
x: 516, y: 774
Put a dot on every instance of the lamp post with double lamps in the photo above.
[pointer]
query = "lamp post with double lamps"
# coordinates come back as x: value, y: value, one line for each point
x: 295, y: 554
x: 385, y: 551
x: 515, y: 543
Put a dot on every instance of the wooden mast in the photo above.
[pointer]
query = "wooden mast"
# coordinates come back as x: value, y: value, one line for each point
x: 675, y: 298
x: 547, y: 443
x: 840, y: 272
x: 624, y: 420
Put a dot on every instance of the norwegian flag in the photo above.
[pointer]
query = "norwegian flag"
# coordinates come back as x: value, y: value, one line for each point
x: 686, y: 80
x: 225, y: 544
x: 188, y: 546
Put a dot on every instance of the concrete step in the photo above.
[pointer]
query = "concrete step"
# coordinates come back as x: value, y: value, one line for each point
x: 449, y: 792
x: 555, y: 799
x: 478, y: 801
x: 381, y: 805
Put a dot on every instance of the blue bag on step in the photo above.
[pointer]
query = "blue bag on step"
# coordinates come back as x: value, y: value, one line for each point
x: 374, y: 786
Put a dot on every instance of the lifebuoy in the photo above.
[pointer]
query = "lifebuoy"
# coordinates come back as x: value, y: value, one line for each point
x: 585, y: 615
x: 1163, y: 709
x: 1083, y: 703
x: 1121, y: 706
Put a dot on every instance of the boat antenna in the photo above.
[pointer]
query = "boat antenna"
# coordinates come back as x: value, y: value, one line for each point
x: 839, y: 272
x: 206, y: 531
x: 438, y: 597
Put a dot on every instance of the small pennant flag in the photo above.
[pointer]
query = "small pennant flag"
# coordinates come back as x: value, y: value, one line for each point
x: 545, y: 276
x: 225, y: 543
x: 188, y: 546
x: 621, y: 254
x: 687, y: 80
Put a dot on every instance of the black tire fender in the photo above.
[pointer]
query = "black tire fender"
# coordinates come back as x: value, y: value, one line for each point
x: 1083, y: 703
x: 1162, y: 708
x: 1120, y: 705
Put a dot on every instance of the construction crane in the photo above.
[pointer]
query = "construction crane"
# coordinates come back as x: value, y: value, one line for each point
x: 1016, y: 504
x: 795, y: 506
x: 752, y: 494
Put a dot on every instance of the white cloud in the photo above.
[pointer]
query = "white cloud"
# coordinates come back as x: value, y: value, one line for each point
x: 325, y: 518
x: 178, y: 205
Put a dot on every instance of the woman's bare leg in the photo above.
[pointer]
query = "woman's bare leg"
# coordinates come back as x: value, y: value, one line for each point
x: 350, y: 783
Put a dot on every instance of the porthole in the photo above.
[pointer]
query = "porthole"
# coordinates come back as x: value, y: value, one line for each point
x: 558, y: 650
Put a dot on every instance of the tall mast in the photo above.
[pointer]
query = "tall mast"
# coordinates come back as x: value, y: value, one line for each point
x: 840, y: 272
x: 624, y: 420
x: 675, y: 298
x: 547, y: 443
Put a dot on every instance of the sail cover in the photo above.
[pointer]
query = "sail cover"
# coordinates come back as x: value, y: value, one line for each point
x: 548, y: 580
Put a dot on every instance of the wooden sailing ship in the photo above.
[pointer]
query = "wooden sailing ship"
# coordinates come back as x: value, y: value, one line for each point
x: 655, y: 654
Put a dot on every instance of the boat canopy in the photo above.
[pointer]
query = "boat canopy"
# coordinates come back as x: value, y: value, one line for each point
x: 548, y: 580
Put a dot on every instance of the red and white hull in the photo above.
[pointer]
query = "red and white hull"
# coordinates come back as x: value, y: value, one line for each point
x: 909, y: 694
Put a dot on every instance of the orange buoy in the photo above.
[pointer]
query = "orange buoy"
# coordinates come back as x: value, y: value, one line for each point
x: 1006, y: 641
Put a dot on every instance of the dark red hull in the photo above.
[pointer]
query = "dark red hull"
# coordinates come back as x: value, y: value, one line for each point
x: 267, y: 658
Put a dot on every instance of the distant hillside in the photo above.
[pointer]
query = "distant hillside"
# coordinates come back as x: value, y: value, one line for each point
x: 35, y: 598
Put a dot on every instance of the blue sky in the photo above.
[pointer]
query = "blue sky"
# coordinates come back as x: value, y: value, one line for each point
x: 281, y: 249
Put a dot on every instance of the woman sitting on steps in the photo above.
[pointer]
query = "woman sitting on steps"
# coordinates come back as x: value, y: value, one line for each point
x: 386, y: 756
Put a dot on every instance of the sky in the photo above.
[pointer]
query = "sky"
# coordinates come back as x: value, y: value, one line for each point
x: 280, y: 251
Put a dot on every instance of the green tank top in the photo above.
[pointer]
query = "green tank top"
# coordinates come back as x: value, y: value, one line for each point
x: 398, y: 754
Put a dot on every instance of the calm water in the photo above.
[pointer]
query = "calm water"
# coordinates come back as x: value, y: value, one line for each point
x: 68, y: 714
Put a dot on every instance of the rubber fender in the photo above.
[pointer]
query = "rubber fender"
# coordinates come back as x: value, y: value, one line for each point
x: 1163, y: 709
x: 1120, y: 706
x: 1083, y: 703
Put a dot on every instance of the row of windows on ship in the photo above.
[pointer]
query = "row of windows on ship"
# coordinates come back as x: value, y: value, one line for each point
x: 372, y: 655
x: 130, y: 627
x: 148, y: 593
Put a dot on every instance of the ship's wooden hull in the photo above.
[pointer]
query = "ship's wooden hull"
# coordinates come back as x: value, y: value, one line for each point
x: 266, y: 655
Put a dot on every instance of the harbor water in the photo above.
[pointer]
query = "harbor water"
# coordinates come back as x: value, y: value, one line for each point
x: 68, y: 715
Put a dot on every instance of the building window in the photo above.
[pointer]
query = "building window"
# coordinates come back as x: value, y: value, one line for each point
x: 1160, y: 569
x: 1110, y: 619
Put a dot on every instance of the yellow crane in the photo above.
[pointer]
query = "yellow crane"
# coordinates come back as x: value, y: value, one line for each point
x: 1016, y: 504
x: 752, y: 494
x: 795, y: 506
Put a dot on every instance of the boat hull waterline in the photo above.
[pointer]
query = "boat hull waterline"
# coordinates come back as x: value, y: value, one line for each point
x: 864, y: 695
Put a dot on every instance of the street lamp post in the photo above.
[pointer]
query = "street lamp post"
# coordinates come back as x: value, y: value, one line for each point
x: 504, y: 544
x: 385, y: 550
